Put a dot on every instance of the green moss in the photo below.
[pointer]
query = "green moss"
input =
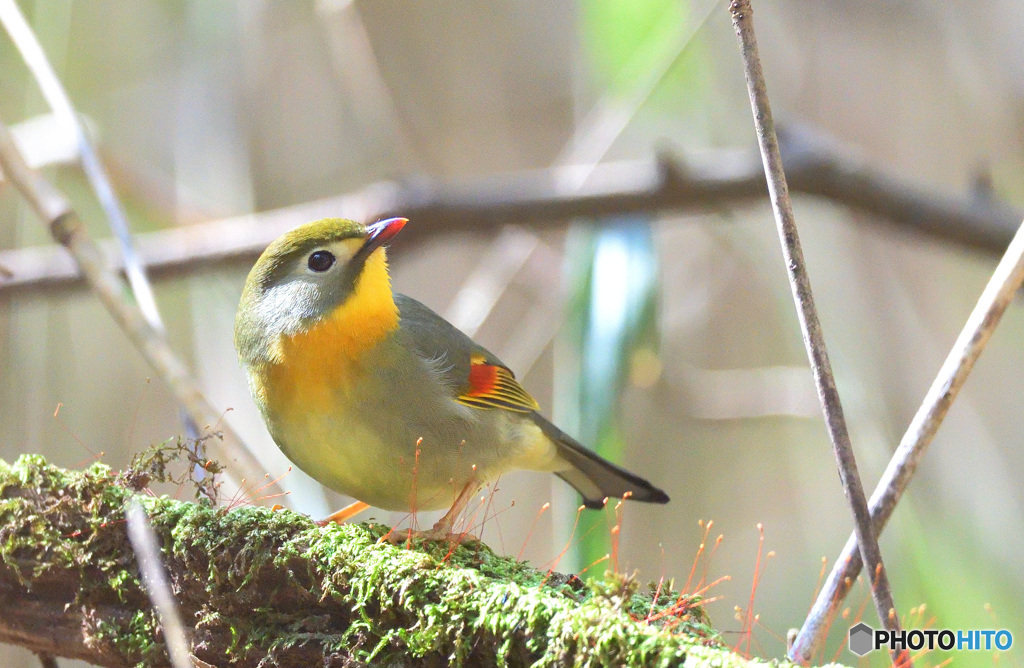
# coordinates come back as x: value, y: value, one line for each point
x: 272, y: 587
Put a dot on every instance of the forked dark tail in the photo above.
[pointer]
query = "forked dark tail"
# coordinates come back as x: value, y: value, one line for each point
x: 593, y: 476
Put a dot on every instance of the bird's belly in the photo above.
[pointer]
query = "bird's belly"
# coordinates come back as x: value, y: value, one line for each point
x: 392, y: 469
x: 394, y: 441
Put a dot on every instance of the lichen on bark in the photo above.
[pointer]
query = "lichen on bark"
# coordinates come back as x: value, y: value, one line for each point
x: 264, y: 588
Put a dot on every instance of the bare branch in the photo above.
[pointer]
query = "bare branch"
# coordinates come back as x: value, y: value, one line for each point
x: 709, y: 181
x: 814, y: 339
x: 55, y: 211
x: 998, y: 294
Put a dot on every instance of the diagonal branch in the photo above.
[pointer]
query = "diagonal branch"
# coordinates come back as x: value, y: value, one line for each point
x: 57, y: 98
x: 60, y: 103
x: 55, y: 211
x: 977, y: 331
x: 814, y: 340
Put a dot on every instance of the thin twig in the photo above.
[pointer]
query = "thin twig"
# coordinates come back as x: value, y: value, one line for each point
x: 55, y: 211
x: 814, y: 341
x: 60, y: 103
x: 158, y: 588
x: 57, y: 98
x: 1001, y: 288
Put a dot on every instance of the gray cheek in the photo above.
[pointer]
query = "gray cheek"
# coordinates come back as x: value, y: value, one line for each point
x: 329, y: 293
x: 285, y: 308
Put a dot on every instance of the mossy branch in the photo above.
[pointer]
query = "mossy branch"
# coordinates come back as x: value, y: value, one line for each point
x: 263, y: 588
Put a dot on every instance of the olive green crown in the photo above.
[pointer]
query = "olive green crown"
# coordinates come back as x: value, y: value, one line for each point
x: 303, y: 239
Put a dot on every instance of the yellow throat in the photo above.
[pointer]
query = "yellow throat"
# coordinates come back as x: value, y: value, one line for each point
x: 313, y: 366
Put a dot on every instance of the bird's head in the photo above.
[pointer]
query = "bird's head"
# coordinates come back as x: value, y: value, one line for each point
x: 307, y: 275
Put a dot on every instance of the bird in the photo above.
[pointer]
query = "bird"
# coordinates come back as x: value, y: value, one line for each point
x: 379, y: 398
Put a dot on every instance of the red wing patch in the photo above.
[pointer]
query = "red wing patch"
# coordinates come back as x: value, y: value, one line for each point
x: 492, y: 386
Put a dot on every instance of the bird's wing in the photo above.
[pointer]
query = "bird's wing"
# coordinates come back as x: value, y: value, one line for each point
x: 477, y: 377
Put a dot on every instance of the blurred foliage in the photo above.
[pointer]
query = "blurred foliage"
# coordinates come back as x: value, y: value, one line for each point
x: 612, y: 315
x: 625, y: 40
x: 613, y: 289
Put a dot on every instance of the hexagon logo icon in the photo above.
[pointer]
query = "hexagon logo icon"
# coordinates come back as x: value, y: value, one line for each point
x: 861, y: 639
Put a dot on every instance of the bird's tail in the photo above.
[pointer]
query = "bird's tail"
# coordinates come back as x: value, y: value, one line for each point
x: 593, y: 476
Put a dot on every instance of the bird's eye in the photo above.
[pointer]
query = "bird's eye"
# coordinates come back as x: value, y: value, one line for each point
x: 321, y: 260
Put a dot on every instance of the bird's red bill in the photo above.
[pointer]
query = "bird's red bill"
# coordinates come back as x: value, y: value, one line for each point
x: 385, y: 230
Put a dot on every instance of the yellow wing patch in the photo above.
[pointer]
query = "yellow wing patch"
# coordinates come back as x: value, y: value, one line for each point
x: 493, y: 386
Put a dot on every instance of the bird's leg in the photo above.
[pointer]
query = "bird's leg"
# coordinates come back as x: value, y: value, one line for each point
x: 348, y: 512
x: 442, y: 529
x: 445, y: 525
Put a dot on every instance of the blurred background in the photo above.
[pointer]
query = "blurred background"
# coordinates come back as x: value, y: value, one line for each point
x: 667, y: 340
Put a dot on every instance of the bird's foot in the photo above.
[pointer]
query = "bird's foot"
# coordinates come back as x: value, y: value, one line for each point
x: 407, y: 536
x: 346, y: 513
x: 442, y: 531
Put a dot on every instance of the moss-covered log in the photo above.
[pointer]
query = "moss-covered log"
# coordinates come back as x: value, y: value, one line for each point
x: 272, y: 588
